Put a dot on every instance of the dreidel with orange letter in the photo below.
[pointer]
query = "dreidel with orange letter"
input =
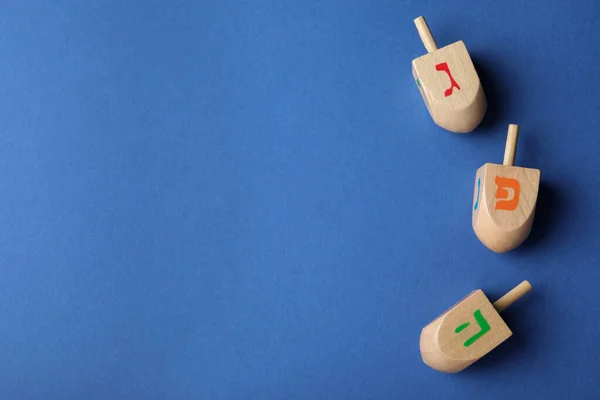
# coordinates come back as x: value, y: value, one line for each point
x: 467, y: 331
x: 504, y: 200
x: 448, y: 83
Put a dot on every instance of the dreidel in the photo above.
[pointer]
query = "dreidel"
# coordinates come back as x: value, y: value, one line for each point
x: 467, y: 331
x: 504, y: 200
x: 448, y: 83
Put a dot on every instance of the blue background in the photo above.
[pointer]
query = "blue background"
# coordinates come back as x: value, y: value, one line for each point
x: 249, y: 200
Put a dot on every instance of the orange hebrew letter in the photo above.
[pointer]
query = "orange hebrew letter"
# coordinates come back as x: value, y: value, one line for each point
x: 444, y: 67
x: 502, y: 193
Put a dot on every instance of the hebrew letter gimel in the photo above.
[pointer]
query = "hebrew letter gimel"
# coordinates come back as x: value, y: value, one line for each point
x: 444, y: 67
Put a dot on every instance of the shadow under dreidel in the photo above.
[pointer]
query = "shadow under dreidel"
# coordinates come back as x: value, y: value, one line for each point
x: 522, y: 342
x: 550, y: 205
x: 495, y: 90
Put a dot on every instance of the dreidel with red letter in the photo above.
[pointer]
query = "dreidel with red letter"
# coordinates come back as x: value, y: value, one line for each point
x: 467, y: 331
x: 448, y: 83
x: 504, y: 200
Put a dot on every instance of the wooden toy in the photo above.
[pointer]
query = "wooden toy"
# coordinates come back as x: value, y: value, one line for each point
x: 504, y: 200
x: 449, y: 83
x: 467, y: 331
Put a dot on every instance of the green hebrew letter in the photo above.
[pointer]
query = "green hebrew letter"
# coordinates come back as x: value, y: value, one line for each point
x: 483, y: 324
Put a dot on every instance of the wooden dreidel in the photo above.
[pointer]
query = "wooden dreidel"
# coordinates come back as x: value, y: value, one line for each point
x: 449, y: 83
x: 467, y: 331
x: 504, y: 200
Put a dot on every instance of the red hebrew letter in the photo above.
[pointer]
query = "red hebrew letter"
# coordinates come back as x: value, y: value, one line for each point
x: 453, y: 84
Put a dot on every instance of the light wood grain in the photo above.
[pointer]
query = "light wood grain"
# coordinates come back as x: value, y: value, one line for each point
x: 515, y: 294
x: 449, y: 84
x: 425, y: 34
x: 467, y: 331
x: 510, y: 150
x: 444, y: 350
x: 504, y: 201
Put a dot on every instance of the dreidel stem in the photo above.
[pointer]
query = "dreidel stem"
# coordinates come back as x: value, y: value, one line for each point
x: 505, y: 301
x: 511, y: 145
x: 425, y: 34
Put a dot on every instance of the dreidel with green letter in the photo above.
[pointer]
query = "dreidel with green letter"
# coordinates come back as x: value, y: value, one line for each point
x: 448, y: 83
x: 467, y: 331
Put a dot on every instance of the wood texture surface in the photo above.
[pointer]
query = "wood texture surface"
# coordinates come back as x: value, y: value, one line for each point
x: 463, y: 334
x: 510, y: 151
x: 467, y: 331
x: 449, y: 84
x: 509, y: 298
x: 425, y: 34
x: 504, y: 201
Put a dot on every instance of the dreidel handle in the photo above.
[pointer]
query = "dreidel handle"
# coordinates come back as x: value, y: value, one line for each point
x: 425, y: 34
x: 511, y: 145
x: 515, y: 294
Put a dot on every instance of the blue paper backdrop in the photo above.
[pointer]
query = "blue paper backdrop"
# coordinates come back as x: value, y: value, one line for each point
x: 249, y: 200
